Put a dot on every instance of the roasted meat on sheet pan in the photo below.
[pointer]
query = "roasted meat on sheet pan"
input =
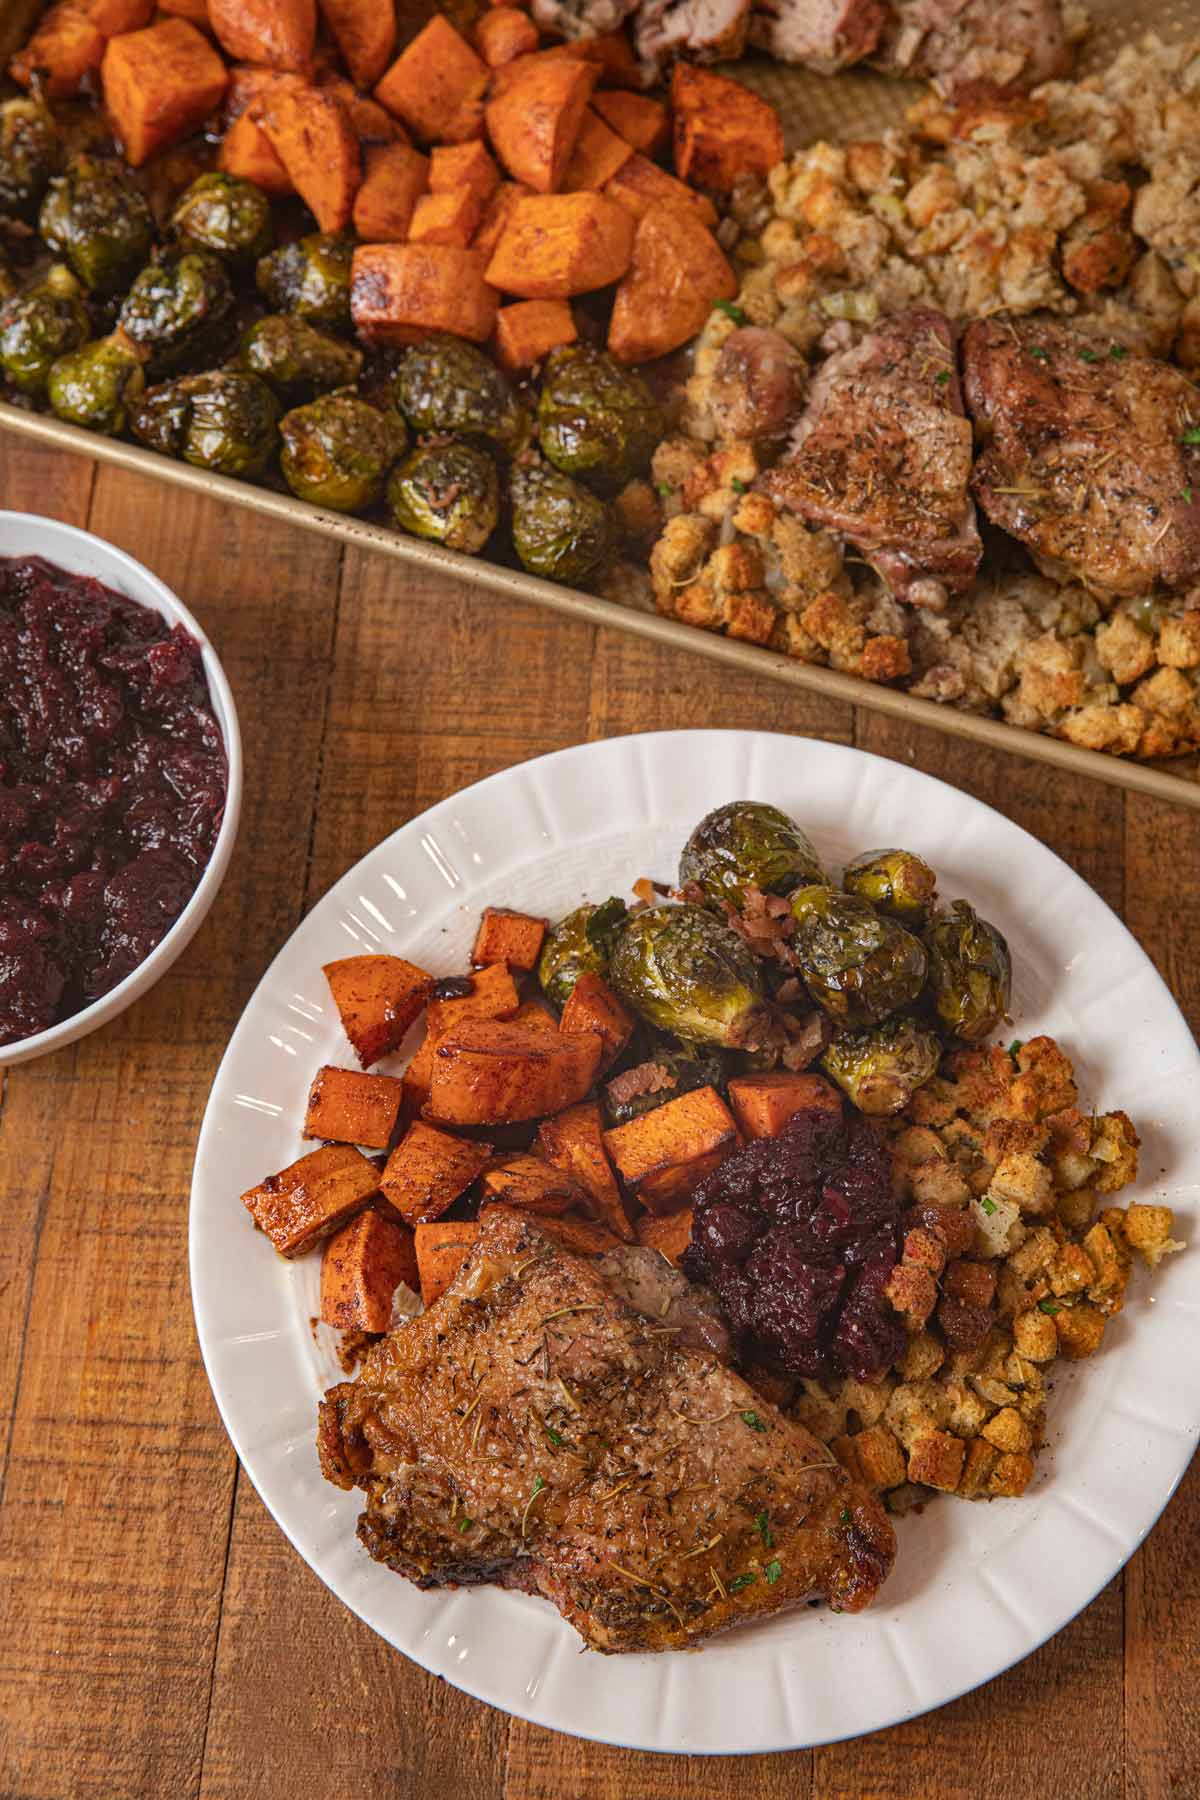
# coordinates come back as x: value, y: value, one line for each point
x: 976, y: 46
x: 825, y: 35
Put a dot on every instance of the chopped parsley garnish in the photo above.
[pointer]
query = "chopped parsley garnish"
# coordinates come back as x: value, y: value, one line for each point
x: 762, y: 1524
x: 1017, y: 1044
x: 731, y: 311
x: 1118, y: 352
x: 845, y: 1515
x: 739, y: 487
x: 1191, y: 435
x: 988, y: 1206
x: 1186, y: 496
x: 1089, y: 356
x: 739, y: 1582
x: 1041, y: 354
x: 1049, y: 1306
x: 664, y: 488
x: 465, y: 1524
x: 752, y: 1420
x: 773, y: 1571
x: 555, y: 1436
x: 942, y: 377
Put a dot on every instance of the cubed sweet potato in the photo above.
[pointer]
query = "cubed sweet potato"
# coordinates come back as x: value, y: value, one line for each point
x: 445, y: 219
x: 669, y: 1233
x: 556, y: 245
x: 312, y: 1197
x: 353, y: 1108
x: 159, y: 86
x: 365, y: 33
x: 511, y: 938
x: 645, y: 124
x: 112, y: 17
x: 417, y: 1077
x: 64, y: 49
x: 612, y: 54
x: 532, y: 1184
x: 658, y: 1152
x: 453, y: 167
x: 394, y: 178
x: 493, y: 995
x: 248, y: 83
x: 723, y: 132
x: 246, y: 152
x: 763, y: 1104
x: 583, y: 1236
x: 194, y: 11
x: 530, y: 329
x: 496, y: 217
x: 534, y: 116
x: 279, y: 33
x: 677, y: 271
x: 503, y: 34
x: 432, y: 79
x: 592, y: 1006
x: 310, y: 132
x: 536, y: 1014
x: 574, y: 1141
x: 488, y: 1072
x: 666, y: 1190
x: 428, y: 1170
x: 442, y: 1247
x: 372, y: 123
x: 399, y: 293
x: 640, y: 184
x: 378, y: 999
x: 362, y: 1266
x: 597, y: 155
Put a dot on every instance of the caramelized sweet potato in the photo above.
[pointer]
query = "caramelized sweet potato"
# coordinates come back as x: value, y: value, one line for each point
x: 659, y: 1154
x: 159, y: 86
x: 530, y: 329
x: 583, y: 1236
x: 493, y: 995
x: 453, y: 167
x: 556, y: 245
x: 248, y: 83
x: 640, y: 184
x: 64, y: 49
x: 496, y: 217
x: 645, y: 124
x: 352, y: 1108
x: 378, y: 998
x: 372, y: 123
x: 487, y: 1072
x: 534, y: 116
x: 512, y: 938
x: 112, y: 17
x: 612, y: 54
x: 533, y: 1185
x: 428, y: 1170
x: 395, y: 176
x: 503, y: 34
x: 312, y: 1197
x: 574, y: 1141
x: 676, y: 273
x: 417, y: 1077
x: 194, y: 11
x: 597, y: 155
x: 670, y: 1233
x: 538, y: 1015
x: 310, y: 132
x: 279, y: 33
x: 365, y: 33
x: 445, y: 219
x: 592, y: 1006
x: 363, y: 1265
x: 399, y: 293
x: 667, y: 1190
x: 763, y: 1104
x: 246, y: 151
x: 432, y: 80
x: 442, y: 1248
x: 722, y: 131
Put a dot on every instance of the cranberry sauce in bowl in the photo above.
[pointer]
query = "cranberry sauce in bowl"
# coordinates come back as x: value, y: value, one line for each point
x: 113, y: 783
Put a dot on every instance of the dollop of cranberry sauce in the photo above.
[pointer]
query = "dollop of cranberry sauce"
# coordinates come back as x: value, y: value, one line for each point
x: 112, y: 788
x: 798, y: 1235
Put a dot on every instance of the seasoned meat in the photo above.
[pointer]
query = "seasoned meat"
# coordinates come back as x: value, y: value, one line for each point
x: 1092, y: 454
x: 825, y: 35
x: 757, y: 385
x: 654, y: 1287
x: 882, y: 455
x: 973, y: 47
x: 701, y: 30
x: 532, y: 1429
x: 582, y: 18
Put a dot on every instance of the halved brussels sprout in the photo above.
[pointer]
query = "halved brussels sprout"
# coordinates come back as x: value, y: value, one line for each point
x: 310, y: 278
x: 685, y: 971
x: 447, y: 492
x: 39, y: 326
x: 337, y: 451
x: 296, y: 359
x: 559, y: 529
x: 597, y: 420
x: 226, y: 216
x: 30, y: 154
x: 224, y: 421
x: 178, y: 309
x: 98, y: 221
x: 895, y: 882
x: 580, y: 944
x: 970, y: 972
x: 701, y: 1066
x: 97, y: 385
x: 748, y: 844
x: 881, y: 1069
x: 857, y: 965
x: 446, y: 385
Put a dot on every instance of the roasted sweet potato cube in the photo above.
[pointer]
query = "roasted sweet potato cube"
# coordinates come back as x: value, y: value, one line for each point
x: 194, y: 11
x: 723, y: 132
x: 763, y: 1104
x: 597, y: 155
x: 399, y: 293
x: 670, y: 1233
x: 493, y: 995
x: 428, y: 1170
x: 534, y: 116
x: 534, y: 1185
x: 417, y: 1077
x: 583, y: 1236
x: 395, y: 176
x: 365, y: 33
x: 453, y: 167
x: 159, y: 86
x: 574, y: 1141
x: 442, y: 1247
x: 612, y: 53
x: 503, y: 34
x: 530, y: 329
x: 658, y: 1153
x: 279, y: 33
x: 379, y: 998
x: 310, y: 132
x: 432, y: 79
x: 362, y: 1266
x: 64, y: 49
x: 488, y: 1072
x: 352, y: 1108
x: 556, y: 245
x: 372, y: 123
x: 246, y: 151
x: 445, y: 219
x: 538, y: 1015
x: 496, y: 217
x: 677, y: 272
x: 640, y: 184
x: 592, y: 1006
x: 312, y: 1197
x: 666, y: 1190
x: 645, y: 124
x: 112, y: 17
x: 512, y: 938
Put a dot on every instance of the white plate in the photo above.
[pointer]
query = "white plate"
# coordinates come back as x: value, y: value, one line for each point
x: 976, y: 1586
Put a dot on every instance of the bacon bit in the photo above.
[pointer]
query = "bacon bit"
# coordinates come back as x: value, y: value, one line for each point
x: 646, y: 1078
x: 808, y: 1038
x: 691, y: 893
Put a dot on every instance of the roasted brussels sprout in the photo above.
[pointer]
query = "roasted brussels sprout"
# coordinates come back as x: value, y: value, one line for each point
x: 580, y: 944
x: 310, y: 278
x: 338, y: 449
x: 685, y: 971
x: 97, y: 220
x: 559, y: 529
x: 39, y: 326
x: 30, y: 153
x: 446, y: 385
x: 683, y: 1071
x: 178, y: 309
x: 857, y: 965
x: 97, y: 385
x: 970, y: 972
x: 596, y: 420
x: 881, y: 1069
x: 225, y: 421
x: 895, y: 882
x: 447, y: 492
x: 296, y: 359
x: 747, y: 844
x: 226, y: 216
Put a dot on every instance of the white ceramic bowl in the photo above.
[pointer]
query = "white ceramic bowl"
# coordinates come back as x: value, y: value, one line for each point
x: 26, y: 534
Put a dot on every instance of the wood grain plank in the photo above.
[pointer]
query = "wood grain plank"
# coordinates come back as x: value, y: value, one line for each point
x: 544, y: 1765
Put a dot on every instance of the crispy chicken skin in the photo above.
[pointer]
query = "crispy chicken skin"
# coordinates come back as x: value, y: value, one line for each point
x: 882, y: 456
x: 976, y: 46
x: 532, y: 1429
x: 1087, y: 456
x: 825, y: 35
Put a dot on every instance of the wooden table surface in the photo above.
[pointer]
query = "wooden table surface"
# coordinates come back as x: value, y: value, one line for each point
x: 159, y: 1638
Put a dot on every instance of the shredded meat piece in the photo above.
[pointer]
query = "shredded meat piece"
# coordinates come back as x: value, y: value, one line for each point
x: 764, y: 921
x: 806, y: 1040
x: 646, y: 1078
